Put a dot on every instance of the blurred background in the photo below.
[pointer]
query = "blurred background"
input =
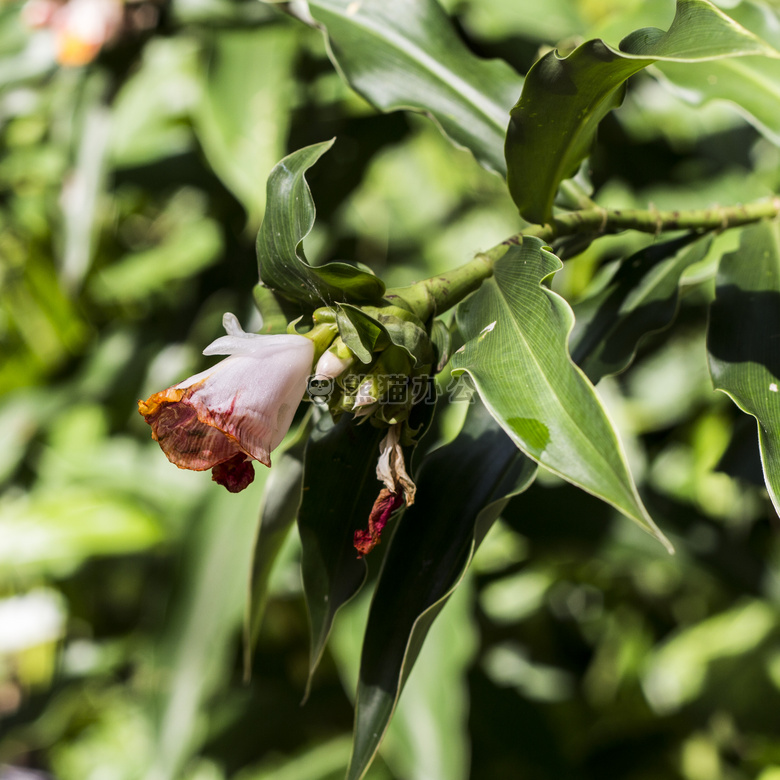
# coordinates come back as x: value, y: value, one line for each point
x: 134, y: 155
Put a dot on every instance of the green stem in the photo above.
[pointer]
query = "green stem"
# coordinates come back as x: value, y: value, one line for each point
x: 322, y: 334
x: 430, y: 297
x: 433, y: 296
x: 603, y: 221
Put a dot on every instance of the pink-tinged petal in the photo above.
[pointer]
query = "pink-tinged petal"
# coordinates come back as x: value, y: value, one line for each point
x: 234, y: 474
x: 385, y: 504
x: 240, y: 408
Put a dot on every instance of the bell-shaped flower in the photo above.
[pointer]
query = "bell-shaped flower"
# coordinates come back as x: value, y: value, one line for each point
x: 236, y: 411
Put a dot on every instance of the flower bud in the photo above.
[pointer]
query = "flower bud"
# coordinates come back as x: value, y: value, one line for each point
x: 331, y: 365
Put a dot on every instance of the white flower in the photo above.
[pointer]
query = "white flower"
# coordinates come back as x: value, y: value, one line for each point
x: 239, y: 409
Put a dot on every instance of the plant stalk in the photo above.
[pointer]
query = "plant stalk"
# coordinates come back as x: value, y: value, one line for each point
x: 430, y: 297
x: 603, y: 221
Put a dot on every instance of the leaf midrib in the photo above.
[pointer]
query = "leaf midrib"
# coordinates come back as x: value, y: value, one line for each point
x: 589, y: 443
x: 457, y: 85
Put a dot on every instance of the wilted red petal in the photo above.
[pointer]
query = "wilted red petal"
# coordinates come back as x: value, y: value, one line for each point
x: 385, y: 504
x: 234, y: 474
x: 188, y: 441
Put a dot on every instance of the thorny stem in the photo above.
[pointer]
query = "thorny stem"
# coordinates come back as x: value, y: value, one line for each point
x: 603, y: 221
x: 433, y: 296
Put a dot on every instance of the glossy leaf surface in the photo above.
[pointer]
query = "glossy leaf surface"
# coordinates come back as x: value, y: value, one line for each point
x: 743, y: 337
x: 430, y: 551
x: 362, y: 329
x: 339, y: 489
x: 564, y: 99
x: 359, y: 332
x: 406, y: 55
x: 728, y: 80
x: 289, y: 218
x: 640, y: 298
x: 752, y: 84
x: 516, y: 333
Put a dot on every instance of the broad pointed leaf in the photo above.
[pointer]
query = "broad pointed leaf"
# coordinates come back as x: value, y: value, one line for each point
x: 339, y: 489
x: 430, y: 551
x: 743, y: 338
x: 564, y: 99
x: 640, y: 298
x: 516, y: 332
x: 752, y: 84
x: 405, y: 54
x: 289, y: 218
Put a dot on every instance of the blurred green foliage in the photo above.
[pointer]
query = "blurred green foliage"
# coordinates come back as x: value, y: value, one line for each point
x: 130, y: 193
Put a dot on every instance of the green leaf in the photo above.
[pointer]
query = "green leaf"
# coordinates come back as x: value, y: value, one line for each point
x: 362, y: 329
x: 516, y: 333
x: 554, y: 122
x: 152, y: 110
x: 752, y: 84
x: 275, y: 310
x: 87, y: 182
x: 289, y: 218
x: 53, y: 534
x: 339, y: 489
x: 431, y: 549
x: 436, y: 693
x: 441, y: 338
x: 743, y: 337
x: 359, y: 332
x: 640, y: 298
x: 675, y: 672
x: 699, y: 31
x: 405, y: 55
